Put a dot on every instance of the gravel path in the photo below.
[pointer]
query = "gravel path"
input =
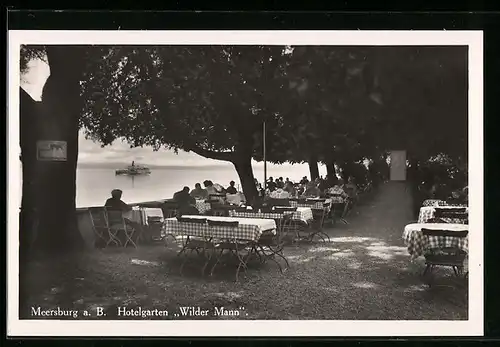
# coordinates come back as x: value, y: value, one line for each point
x: 363, y: 273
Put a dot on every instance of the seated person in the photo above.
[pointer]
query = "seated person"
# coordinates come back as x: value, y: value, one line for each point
x: 271, y: 185
x: 351, y: 188
x: 280, y: 183
x: 290, y: 188
x: 209, y: 187
x: 312, y: 190
x: 304, y: 180
x: 198, y: 192
x: 115, y: 201
x: 279, y: 193
x: 187, y: 204
x: 231, y: 189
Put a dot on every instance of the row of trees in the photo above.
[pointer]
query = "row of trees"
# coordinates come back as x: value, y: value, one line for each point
x: 335, y: 105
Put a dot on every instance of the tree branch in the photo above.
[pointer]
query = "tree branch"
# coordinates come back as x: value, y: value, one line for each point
x: 225, y: 156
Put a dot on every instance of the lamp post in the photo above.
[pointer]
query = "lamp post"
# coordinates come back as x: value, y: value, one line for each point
x: 264, y: 152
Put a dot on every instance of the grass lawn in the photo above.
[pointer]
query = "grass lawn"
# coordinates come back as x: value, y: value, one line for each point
x: 364, y: 273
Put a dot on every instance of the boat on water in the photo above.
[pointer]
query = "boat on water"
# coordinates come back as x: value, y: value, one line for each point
x: 133, y: 170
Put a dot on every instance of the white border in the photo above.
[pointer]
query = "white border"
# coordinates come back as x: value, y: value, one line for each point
x: 472, y: 327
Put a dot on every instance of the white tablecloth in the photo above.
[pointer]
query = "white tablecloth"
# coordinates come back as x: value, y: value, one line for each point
x: 417, y: 243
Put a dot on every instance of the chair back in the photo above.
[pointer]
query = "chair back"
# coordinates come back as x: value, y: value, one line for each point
x: 285, y: 209
x: 220, y: 223
x: 98, y: 217
x: 438, y: 232
x: 450, y: 210
x: 169, y: 209
x: 242, y: 209
x: 115, y: 216
x: 192, y: 220
x: 278, y: 202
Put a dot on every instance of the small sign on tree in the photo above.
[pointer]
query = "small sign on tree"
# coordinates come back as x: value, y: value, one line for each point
x: 52, y: 150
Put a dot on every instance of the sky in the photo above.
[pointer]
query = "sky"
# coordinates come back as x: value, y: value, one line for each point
x: 92, y: 154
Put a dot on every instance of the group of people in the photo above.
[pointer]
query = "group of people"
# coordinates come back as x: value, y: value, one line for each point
x: 283, y: 189
x: 276, y: 188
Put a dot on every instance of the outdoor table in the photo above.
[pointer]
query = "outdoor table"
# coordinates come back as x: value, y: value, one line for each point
x: 427, y: 212
x: 317, y: 206
x: 434, y: 202
x: 417, y: 243
x: 249, y: 229
x: 303, y: 214
x: 202, y: 206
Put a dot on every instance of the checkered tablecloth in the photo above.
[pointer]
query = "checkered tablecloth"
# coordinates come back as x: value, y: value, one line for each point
x: 317, y: 206
x: 202, y: 206
x: 427, y: 212
x: 433, y: 202
x: 303, y: 214
x: 417, y: 243
x: 249, y: 229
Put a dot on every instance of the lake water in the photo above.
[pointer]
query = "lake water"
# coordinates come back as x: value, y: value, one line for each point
x: 94, y: 185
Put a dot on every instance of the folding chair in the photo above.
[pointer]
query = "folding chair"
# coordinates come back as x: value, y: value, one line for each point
x: 273, y: 244
x: 278, y: 202
x: 452, y: 215
x: 318, y: 223
x: 118, y: 225
x: 231, y: 244
x: 192, y: 243
x: 169, y: 209
x: 99, y: 220
x: 452, y: 257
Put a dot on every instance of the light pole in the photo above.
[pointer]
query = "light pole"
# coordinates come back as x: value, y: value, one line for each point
x: 264, y: 152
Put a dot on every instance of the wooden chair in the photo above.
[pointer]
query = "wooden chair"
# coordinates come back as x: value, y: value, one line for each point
x: 278, y: 202
x: 281, y: 209
x: 99, y: 220
x: 318, y: 223
x: 231, y: 244
x: 271, y: 245
x: 444, y: 256
x: 118, y: 225
x: 192, y: 243
x: 169, y: 209
x: 452, y: 215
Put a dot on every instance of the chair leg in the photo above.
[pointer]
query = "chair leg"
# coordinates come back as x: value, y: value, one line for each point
x: 206, y: 263
x: 216, y: 262
x: 427, y: 268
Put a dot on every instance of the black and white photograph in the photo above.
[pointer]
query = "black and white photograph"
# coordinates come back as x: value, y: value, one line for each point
x: 245, y: 183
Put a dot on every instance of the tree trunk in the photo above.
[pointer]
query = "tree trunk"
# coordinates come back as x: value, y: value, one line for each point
x: 56, y: 180
x: 243, y: 166
x: 330, y: 171
x: 28, y: 117
x: 313, y: 168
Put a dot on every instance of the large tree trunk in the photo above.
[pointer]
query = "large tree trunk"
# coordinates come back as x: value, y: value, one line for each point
x: 313, y: 167
x: 28, y: 112
x: 243, y: 166
x: 56, y: 180
x: 330, y: 171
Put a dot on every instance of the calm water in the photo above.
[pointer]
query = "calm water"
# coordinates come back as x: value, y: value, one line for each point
x: 94, y: 185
